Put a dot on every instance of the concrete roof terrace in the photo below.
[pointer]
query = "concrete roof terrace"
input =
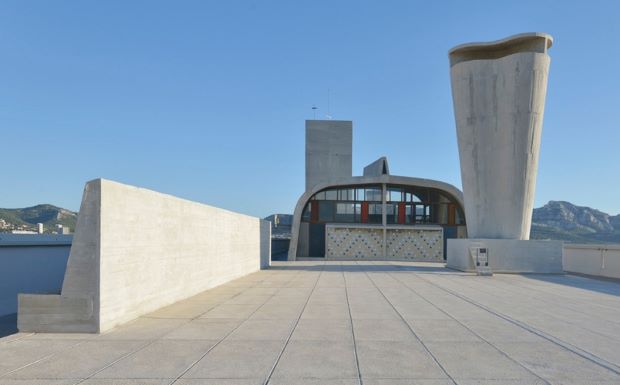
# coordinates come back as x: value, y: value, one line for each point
x: 348, y: 323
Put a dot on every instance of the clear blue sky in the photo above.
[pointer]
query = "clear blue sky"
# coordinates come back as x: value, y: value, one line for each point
x: 206, y: 100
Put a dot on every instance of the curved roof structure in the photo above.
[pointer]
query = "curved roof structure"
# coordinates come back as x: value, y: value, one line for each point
x: 364, y: 180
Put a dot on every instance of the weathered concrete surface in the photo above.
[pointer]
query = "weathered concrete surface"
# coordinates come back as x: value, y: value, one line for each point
x: 348, y: 323
x: 499, y: 91
x: 599, y: 260
x: 508, y: 255
x: 329, y: 151
x: 137, y: 250
x: 377, y: 168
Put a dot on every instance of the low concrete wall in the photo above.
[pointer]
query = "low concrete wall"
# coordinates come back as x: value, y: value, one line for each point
x: 279, y: 246
x: 508, y: 255
x: 600, y: 260
x: 136, y: 250
x: 31, y: 263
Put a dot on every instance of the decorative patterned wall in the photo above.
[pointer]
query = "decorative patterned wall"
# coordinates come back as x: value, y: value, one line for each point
x: 412, y: 244
x: 367, y: 243
x: 362, y: 243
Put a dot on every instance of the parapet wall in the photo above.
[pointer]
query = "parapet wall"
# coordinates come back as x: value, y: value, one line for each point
x: 598, y: 260
x: 137, y: 250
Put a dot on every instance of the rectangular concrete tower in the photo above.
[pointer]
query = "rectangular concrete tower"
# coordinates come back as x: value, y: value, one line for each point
x: 329, y: 148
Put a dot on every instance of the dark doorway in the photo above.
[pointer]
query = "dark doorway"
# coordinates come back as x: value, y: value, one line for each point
x: 317, y: 240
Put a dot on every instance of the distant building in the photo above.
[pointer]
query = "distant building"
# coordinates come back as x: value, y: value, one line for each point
x: 40, y: 228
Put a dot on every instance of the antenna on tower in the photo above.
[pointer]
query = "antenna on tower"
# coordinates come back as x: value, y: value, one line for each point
x: 314, y: 108
x: 328, y: 116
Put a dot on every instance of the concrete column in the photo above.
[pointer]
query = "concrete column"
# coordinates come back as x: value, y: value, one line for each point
x: 498, y: 91
x: 384, y: 217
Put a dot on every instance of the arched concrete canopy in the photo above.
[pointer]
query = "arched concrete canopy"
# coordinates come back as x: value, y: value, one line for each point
x: 447, y: 188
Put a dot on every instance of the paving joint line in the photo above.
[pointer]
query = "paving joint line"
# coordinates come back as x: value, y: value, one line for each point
x: 411, y: 330
x: 357, y: 362
x: 147, y: 344
x: 550, y: 314
x: 565, y: 345
x: 470, y: 330
x: 231, y: 332
x: 275, y: 364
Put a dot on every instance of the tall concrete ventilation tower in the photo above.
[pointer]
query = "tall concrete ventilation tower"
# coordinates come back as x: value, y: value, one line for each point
x: 499, y: 90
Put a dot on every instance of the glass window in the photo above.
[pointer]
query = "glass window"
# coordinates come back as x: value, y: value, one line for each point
x: 395, y: 195
x: 326, y: 211
x: 331, y: 195
x: 306, y: 215
x: 346, y: 195
x: 345, y: 212
x: 373, y: 194
x: 360, y: 196
x: 375, y: 213
x: 409, y: 217
x: 391, y: 213
x: 320, y: 196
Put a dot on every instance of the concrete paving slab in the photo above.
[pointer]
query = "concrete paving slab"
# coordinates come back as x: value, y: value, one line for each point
x: 441, y: 330
x: 78, y: 362
x: 143, y: 328
x: 391, y: 359
x: 126, y: 381
x: 263, y: 329
x: 161, y: 359
x: 204, y: 329
x: 511, y: 330
x: 333, y: 329
x: 238, y: 359
x: 23, y: 352
x: 326, y: 311
x: 477, y: 360
x: 317, y: 359
x: 382, y: 330
x: 555, y: 363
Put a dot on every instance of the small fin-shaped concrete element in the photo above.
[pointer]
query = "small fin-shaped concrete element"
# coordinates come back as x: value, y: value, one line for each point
x: 377, y: 168
x: 479, y: 254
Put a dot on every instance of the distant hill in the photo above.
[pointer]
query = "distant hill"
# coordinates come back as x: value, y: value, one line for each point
x: 576, y: 224
x: 555, y: 220
x: 27, y: 218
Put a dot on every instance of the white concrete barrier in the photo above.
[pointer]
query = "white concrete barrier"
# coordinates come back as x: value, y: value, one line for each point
x: 508, y: 255
x: 136, y: 250
x: 600, y: 260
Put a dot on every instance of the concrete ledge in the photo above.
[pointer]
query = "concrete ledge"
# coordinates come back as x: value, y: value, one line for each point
x: 508, y: 255
x: 55, y: 313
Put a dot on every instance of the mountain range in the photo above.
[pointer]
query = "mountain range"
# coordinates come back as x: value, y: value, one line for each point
x: 556, y: 220
x: 576, y: 224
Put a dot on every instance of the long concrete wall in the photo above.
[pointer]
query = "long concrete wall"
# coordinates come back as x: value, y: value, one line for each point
x: 599, y: 260
x: 136, y: 250
x: 31, y: 263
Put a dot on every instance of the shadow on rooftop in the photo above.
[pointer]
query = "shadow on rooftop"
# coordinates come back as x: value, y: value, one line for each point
x: 380, y: 267
x: 8, y: 324
x: 603, y: 285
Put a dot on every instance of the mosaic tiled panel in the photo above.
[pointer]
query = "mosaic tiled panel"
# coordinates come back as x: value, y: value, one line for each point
x: 353, y: 243
x: 415, y: 245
